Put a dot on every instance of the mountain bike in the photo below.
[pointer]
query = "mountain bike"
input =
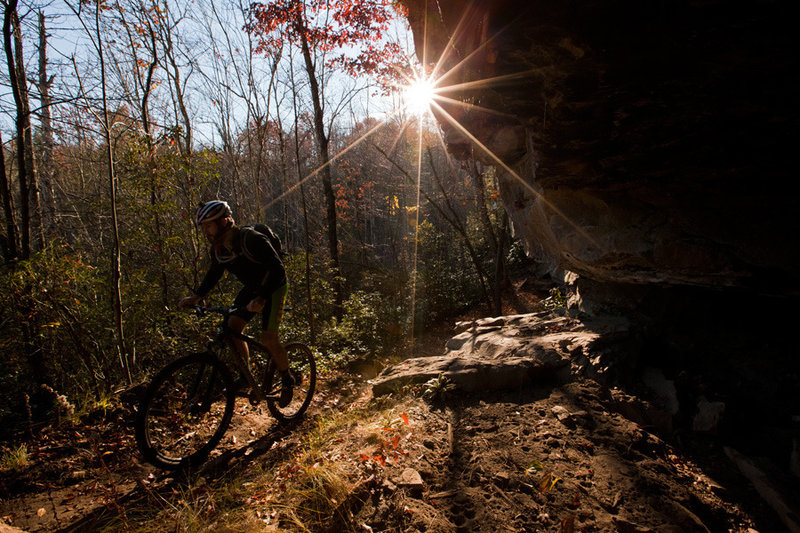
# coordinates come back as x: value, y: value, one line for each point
x: 188, y: 405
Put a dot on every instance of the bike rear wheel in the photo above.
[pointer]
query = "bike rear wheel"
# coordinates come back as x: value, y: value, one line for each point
x: 304, y: 371
x: 185, y: 411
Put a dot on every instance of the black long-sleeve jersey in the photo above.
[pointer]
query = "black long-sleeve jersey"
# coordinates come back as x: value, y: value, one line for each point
x: 251, y: 258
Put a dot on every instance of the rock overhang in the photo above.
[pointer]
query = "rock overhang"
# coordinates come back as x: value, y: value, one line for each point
x: 636, y: 142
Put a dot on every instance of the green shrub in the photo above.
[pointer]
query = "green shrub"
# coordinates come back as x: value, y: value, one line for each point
x: 447, y: 283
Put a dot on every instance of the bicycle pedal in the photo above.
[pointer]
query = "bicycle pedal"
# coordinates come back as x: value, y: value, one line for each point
x: 254, y: 398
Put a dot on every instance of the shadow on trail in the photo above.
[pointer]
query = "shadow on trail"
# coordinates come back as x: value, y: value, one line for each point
x: 235, y: 459
x: 470, y: 490
x: 551, y: 451
x: 156, y: 494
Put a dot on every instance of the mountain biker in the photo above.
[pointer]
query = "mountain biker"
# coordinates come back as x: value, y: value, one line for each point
x: 249, y: 256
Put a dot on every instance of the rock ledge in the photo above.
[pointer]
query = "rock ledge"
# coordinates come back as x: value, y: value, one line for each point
x: 510, y: 352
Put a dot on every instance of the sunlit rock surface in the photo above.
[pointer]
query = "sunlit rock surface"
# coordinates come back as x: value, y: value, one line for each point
x: 513, y: 351
x: 639, y: 142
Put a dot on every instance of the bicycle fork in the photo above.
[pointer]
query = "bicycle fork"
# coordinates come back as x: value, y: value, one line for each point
x: 256, y: 394
x: 199, y: 400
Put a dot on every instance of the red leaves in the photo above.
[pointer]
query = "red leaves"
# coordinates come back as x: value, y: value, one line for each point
x: 331, y: 25
x: 389, y: 448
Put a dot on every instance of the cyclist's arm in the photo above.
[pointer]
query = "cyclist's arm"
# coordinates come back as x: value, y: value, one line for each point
x: 211, y: 278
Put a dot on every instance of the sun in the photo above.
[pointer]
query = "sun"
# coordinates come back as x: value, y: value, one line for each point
x: 418, y: 96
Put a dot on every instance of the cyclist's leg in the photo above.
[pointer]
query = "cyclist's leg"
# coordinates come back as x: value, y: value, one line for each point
x: 271, y: 319
x: 237, y: 322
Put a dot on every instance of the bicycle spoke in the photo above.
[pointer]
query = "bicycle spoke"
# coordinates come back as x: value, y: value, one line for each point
x: 304, y: 372
x: 187, y: 409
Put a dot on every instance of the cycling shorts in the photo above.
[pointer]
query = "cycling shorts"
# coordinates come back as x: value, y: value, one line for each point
x: 273, y: 310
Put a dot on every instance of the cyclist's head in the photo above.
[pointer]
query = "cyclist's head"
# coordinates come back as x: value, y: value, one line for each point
x: 213, y: 210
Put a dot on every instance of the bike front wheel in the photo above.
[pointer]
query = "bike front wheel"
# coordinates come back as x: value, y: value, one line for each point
x: 185, y: 411
x: 304, y: 371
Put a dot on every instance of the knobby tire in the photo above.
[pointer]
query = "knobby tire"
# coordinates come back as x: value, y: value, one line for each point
x: 185, y: 412
x: 304, y: 370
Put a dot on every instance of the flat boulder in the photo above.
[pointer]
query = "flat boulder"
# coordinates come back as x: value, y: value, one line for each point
x: 505, y: 353
x: 5, y: 528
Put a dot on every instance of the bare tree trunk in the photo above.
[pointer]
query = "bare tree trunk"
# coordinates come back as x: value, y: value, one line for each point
x: 498, y: 242
x: 284, y: 171
x: 112, y: 182
x: 180, y: 98
x: 143, y: 92
x: 459, y: 226
x: 19, y: 88
x: 26, y: 145
x: 25, y: 212
x: 10, y: 242
x: 309, y: 293
x: 324, y: 157
x: 155, y: 200
x: 500, y: 274
x: 174, y: 74
x: 480, y: 199
x: 50, y: 217
x: 451, y: 218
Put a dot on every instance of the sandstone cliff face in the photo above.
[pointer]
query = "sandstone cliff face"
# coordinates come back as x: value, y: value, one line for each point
x: 646, y: 143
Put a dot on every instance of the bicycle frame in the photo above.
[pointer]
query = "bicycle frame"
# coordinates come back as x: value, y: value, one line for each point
x: 224, y: 331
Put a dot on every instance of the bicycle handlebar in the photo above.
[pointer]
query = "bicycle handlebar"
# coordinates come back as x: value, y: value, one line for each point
x: 200, y: 310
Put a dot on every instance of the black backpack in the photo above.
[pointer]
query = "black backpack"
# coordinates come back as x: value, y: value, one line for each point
x: 274, y: 240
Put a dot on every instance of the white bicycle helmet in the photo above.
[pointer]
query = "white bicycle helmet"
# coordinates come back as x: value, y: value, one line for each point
x: 211, y: 211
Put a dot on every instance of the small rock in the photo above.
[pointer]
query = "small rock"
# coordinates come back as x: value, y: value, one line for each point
x: 389, y: 486
x: 584, y: 419
x: 553, y: 442
x: 410, y: 479
x: 563, y: 416
x: 580, y: 414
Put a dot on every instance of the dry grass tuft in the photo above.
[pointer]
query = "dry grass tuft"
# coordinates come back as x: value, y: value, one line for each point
x: 14, y: 458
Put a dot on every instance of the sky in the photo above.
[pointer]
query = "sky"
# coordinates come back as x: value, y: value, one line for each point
x: 212, y: 84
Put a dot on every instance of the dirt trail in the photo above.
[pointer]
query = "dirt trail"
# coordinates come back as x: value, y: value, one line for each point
x: 543, y: 458
x: 551, y: 459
